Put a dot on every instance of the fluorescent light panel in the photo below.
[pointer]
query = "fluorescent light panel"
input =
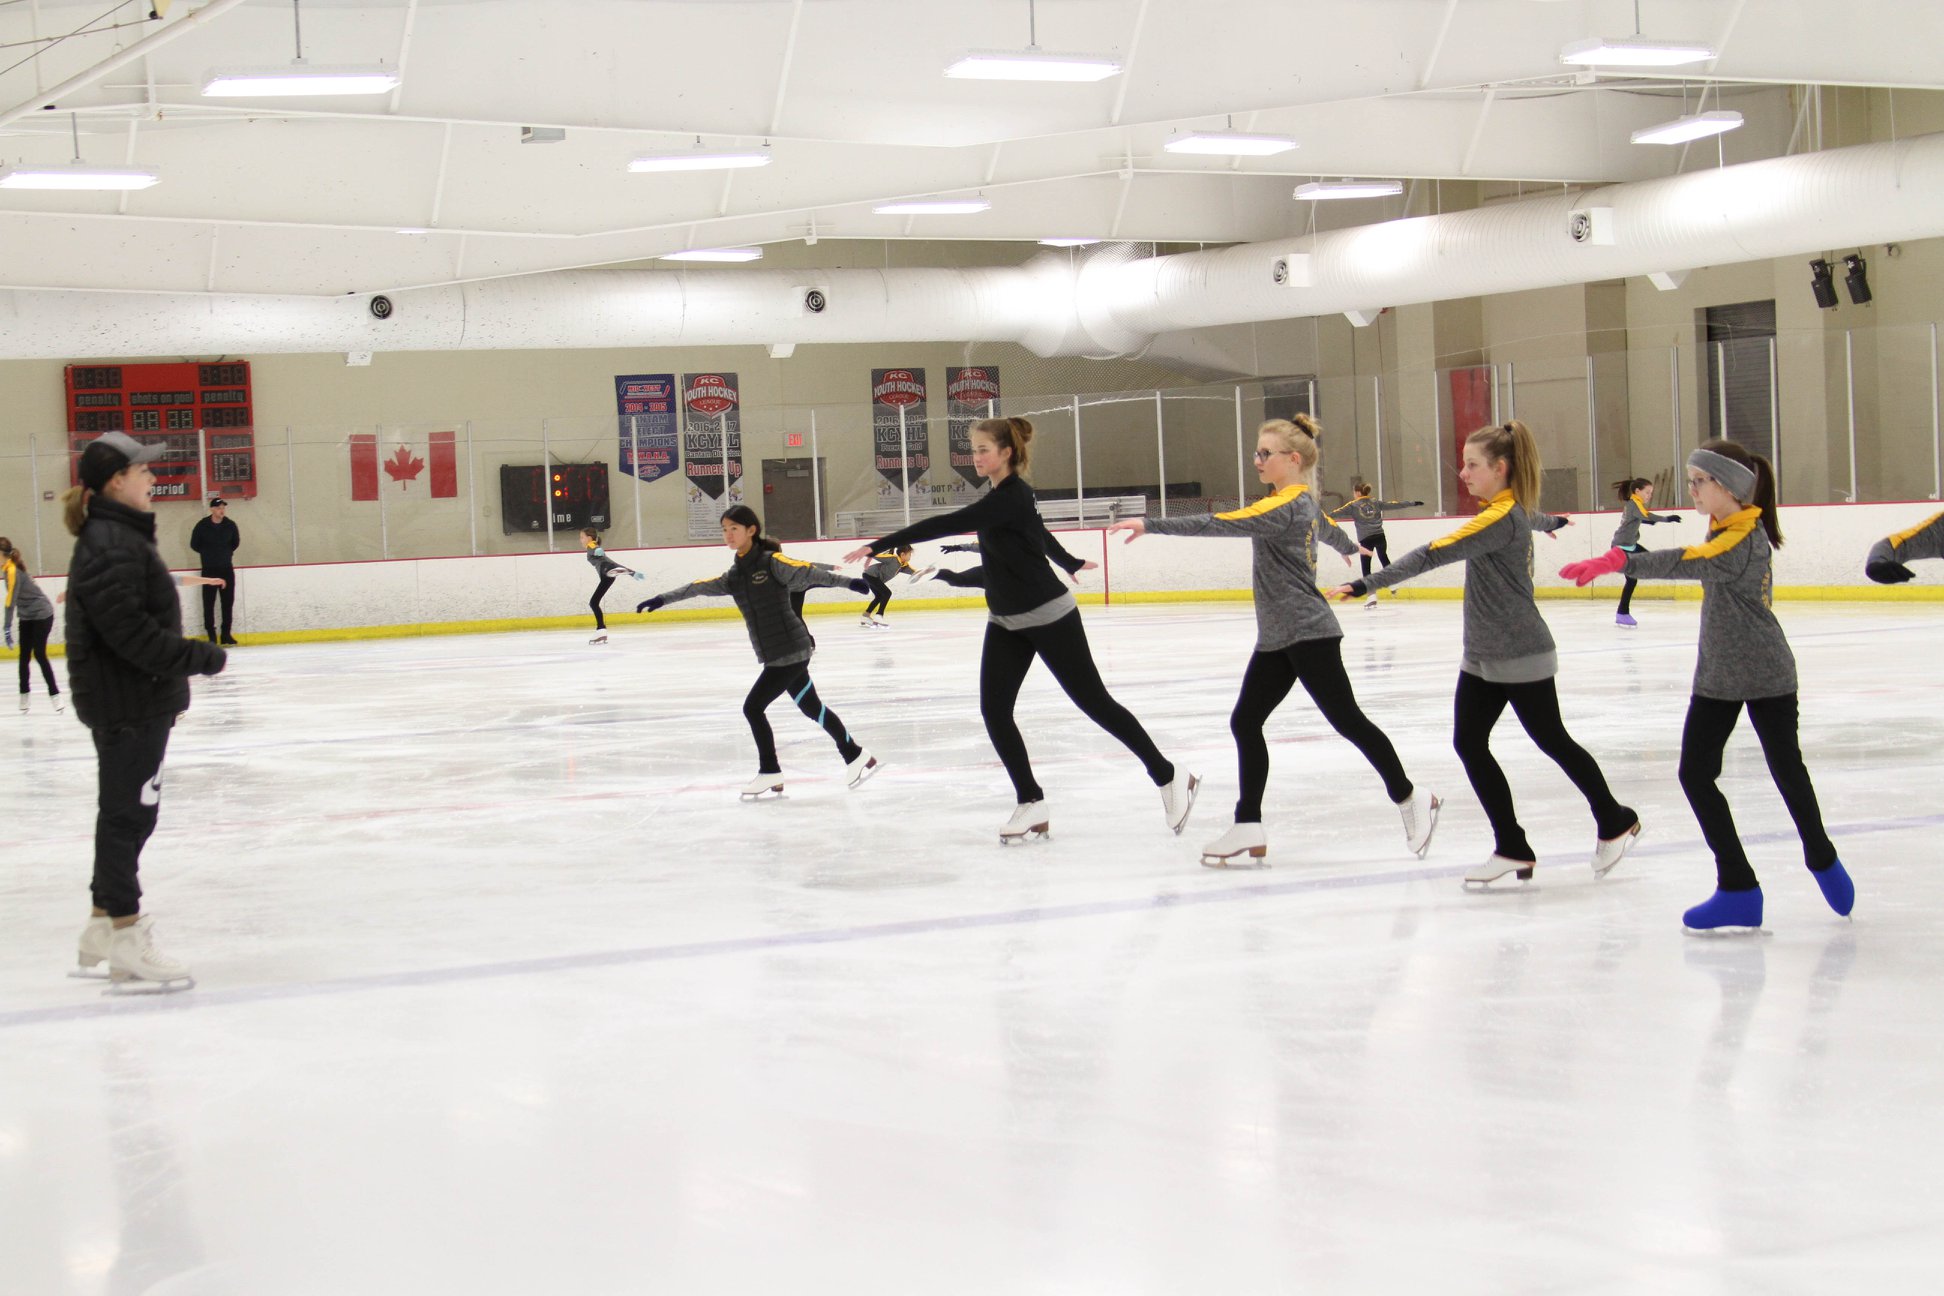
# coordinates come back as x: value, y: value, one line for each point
x: 1068, y: 242
x: 933, y: 207
x: 298, y: 80
x: 1323, y: 190
x: 1032, y: 65
x: 1230, y: 144
x: 75, y: 175
x: 702, y: 160
x: 1693, y: 127
x: 714, y: 254
x: 1634, y: 51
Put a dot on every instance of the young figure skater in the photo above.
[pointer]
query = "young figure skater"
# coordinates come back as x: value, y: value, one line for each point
x: 1744, y: 661
x: 129, y: 665
x: 761, y: 581
x: 1297, y: 637
x: 1030, y: 614
x: 1634, y: 494
x: 604, y: 567
x: 1368, y: 514
x: 26, y: 603
x: 878, y: 574
x: 1509, y: 656
x: 1885, y: 564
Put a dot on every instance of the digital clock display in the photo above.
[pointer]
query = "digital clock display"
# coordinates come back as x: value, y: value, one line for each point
x: 173, y: 406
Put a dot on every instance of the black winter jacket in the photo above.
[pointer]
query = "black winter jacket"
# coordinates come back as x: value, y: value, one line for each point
x: 127, y: 660
x: 217, y: 543
x: 761, y: 581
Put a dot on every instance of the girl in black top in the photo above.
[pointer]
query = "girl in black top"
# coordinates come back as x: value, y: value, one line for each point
x: 604, y: 567
x: 1031, y: 614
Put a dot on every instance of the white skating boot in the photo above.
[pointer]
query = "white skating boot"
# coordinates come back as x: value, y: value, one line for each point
x: 59, y: 704
x: 135, y: 965
x: 878, y: 620
x: 600, y: 638
x: 23, y: 704
x: 763, y: 785
x: 856, y: 771
x: 93, y: 954
x: 1612, y: 850
x: 867, y: 622
x: 1371, y: 602
x: 1178, y: 798
x: 1420, y: 813
x: 1497, y: 867
x: 1243, y: 846
x: 1028, y: 821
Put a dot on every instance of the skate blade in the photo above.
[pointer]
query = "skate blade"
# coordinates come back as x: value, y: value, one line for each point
x: 137, y: 986
x: 89, y: 974
x: 1627, y: 840
x: 767, y: 794
x: 1425, y: 849
x: 1249, y: 859
x: 1194, y: 788
x: 1038, y: 832
x: 864, y: 775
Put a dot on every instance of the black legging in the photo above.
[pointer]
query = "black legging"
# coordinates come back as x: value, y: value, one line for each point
x: 211, y: 594
x: 1063, y: 646
x: 880, y: 595
x: 594, y: 604
x: 1381, y: 545
x: 1477, y: 707
x: 1318, y: 663
x: 1626, y: 591
x: 33, y: 647
x: 1709, y: 722
x: 793, y: 679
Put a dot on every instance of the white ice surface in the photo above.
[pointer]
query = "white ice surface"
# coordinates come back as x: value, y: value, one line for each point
x: 502, y: 991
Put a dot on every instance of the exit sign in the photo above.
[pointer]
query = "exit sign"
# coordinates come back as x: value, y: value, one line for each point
x: 793, y: 440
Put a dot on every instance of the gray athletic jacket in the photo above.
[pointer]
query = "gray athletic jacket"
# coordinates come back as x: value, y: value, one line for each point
x: 1744, y: 653
x: 1368, y: 514
x: 24, y: 598
x: 1501, y: 618
x: 761, y: 583
x: 1925, y: 540
x: 883, y: 566
x: 1632, y: 518
x: 1283, y: 530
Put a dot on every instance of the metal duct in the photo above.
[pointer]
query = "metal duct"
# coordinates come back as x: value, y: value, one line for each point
x: 1875, y: 193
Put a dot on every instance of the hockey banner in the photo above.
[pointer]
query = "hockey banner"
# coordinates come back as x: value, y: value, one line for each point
x: 898, y: 402
x: 970, y: 395
x: 646, y: 422
x: 711, y: 449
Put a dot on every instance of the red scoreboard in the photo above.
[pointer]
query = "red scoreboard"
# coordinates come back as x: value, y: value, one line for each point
x: 168, y: 405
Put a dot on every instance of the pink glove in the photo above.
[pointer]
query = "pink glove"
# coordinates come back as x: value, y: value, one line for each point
x: 1591, y: 569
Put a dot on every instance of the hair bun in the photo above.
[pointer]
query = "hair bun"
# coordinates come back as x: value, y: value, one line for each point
x: 1022, y: 428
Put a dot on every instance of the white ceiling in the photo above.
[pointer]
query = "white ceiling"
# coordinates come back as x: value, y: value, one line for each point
x: 307, y: 197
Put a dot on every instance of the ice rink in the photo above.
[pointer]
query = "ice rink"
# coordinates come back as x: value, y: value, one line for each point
x: 501, y: 990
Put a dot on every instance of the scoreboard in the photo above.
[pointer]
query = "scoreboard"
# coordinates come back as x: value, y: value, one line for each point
x: 578, y: 496
x: 167, y: 405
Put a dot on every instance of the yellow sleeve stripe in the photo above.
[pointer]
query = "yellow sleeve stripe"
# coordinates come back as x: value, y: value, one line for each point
x: 1269, y: 504
x: 1497, y: 509
x: 1735, y: 528
x: 10, y: 584
x: 1895, y: 540
x: 785, y: 558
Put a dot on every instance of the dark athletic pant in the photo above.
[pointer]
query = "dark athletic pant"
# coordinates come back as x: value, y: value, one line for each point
x: 1063, y: 647
x: 129, y: 762
x: 33, y: 647
x: 793, y: 679
x: 594, y: 604
x: 1709, y: 722
x: 1381, y: 545
x: 1626, y: 591
x: 210, y: 595
x: 880, y: 595
x: 1477, y: 707
x: 1318, y: 664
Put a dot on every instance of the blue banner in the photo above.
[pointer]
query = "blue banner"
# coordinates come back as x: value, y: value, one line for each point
x: 649, y: 425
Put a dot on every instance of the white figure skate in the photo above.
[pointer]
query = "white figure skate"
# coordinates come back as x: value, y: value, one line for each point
x: 1029, y: 821
x: 1611, y: 851
x: 600, y: 638
x: 1178, y: 799
x: 856, y: 771
x: 1497, y: 867
x: 1243, y: 846
x: 136, y: 966
x: 1420, y: 814
x: 91, y: 962
x: 761, y: 786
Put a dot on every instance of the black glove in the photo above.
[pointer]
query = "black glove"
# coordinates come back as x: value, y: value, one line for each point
x: 649, y: 605
x: 857, y: 586
x: 1670, y: 517
x: 960, y: 548
x: 1417, y: 503
x: 1888, y: 573
x: 1359, y: 589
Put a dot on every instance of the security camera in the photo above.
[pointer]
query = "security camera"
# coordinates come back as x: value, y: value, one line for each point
x: 814, y: 301
x: 1590, y: 225
x: 1292, y: 271
x: 381, y: 307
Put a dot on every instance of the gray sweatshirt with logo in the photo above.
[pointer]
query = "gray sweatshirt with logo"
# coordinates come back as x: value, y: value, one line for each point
x: 1633, y: 516
x: 1925, y: 540
x: 761, y: 584
x: 1368, y: 513
x: 1283, y: 530
x: 1744, y: 653
x: 24, y: 598
x: 1502, y: 619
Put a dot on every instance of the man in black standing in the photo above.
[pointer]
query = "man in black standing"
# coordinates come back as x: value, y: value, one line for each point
x: 216, y: 539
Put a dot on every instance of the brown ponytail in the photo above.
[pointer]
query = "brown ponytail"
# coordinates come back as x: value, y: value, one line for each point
x: 1624, y: 488
x: 10, y: 554
x: 1511, y: 443
x: 1014, y: 434
x: 74, y: 508
x: 1764, y: 484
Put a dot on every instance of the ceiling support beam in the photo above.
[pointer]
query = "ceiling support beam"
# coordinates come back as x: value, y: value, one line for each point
x: 51, y: 98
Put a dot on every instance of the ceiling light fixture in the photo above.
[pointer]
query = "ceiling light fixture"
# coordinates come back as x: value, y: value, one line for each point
x: 714, y: 254
x: 701, y: 159
x: 933, y: 207
x: 76, y: 174
x: 1634, y: 51
x: 1692, y: 127
x: 1032, y: 63
x: 1229, y: 144
x: 298, y: 78
x: 1068, y: 242
x: 1325, y: 190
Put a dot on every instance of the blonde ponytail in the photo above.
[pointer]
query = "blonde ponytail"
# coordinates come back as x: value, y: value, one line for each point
x: 74, y: 508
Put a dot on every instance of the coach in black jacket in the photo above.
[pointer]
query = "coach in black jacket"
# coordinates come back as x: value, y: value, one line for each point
x: 128, y: 669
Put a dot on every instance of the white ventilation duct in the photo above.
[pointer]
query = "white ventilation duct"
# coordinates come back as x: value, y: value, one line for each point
x: 1876, y: 193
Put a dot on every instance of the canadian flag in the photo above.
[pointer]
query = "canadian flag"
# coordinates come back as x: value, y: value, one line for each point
x: 404, y: 467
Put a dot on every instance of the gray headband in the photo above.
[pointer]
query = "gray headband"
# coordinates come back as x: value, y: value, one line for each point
x: 1734, y: 478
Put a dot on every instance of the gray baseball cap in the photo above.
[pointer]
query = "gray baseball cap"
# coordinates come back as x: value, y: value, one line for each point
x: 111, y: 452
